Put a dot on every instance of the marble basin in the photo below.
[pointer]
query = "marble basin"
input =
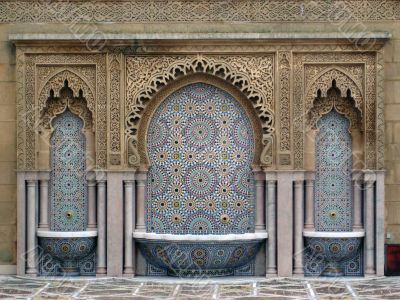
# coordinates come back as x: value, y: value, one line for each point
x: 68, y: 247
x: 196, y: 255
x: 333, y: 248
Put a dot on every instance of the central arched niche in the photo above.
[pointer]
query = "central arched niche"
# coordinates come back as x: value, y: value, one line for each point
x: 200, y: 145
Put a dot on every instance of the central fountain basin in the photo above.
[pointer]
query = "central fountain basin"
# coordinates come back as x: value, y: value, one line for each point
x: 195, y: 255
x: 68, y: 247
x: 331, y: 249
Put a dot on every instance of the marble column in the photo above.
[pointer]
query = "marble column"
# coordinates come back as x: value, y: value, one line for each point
x: 140, y: 200
x: 128, y: 227
x: 309, y: 222
x: 357, y: 201
x: 380, y: 222
x: 284, y: 211
x: 298, y: 227
x: 369, y: 224
x: 259, y: 177
x: 101, y: 269
x: 271, y: 227
x: 44, y: 202
x: 91, y: 204
x: 31, y: 228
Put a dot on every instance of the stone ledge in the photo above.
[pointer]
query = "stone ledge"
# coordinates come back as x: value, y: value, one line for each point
x: 201, y: 36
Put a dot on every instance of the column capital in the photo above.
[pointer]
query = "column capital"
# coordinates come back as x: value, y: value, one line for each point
x: 299, y: 183
x: 31, y: 182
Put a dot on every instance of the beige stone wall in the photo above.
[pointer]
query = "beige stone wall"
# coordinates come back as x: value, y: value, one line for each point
x: 8, y: 106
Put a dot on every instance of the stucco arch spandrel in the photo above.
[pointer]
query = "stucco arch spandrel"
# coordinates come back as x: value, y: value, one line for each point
x: 137, y: 149
x: 75, y: 82
x: 81, y: 100
x: 334, y: 99
x: 344, y: 82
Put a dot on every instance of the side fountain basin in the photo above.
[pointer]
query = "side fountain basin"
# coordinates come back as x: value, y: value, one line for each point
x: 68, y: 247
x: 196, y: 255
x: 333, y: 248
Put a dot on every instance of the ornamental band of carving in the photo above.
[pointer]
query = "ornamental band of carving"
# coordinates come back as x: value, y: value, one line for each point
x: 170, y: 11
x: 146, y: 75
x: 284, y: 59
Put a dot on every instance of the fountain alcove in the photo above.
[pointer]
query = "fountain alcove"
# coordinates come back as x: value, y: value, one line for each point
x: 66, y: 240
x: 200, y: 205
x: 334, y: 247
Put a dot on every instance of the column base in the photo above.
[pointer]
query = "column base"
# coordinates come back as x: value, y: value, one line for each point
x: 101, y: 271
x: 271, y: 272
x: 298, y: 272
x: 128, y: 271
x: 31, y: 273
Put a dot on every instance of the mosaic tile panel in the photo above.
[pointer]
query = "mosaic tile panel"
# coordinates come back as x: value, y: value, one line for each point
x: 333, y: 197
x: 200, y: 144
x: 68, y: 187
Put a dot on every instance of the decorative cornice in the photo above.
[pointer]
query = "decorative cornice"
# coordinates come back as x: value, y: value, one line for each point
x: 172, y: 11
x: 256, y: 36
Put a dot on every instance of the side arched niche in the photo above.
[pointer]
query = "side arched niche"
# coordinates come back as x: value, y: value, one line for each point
x: 65, y: 91
x: 346, y: 100
x: 141, y: 152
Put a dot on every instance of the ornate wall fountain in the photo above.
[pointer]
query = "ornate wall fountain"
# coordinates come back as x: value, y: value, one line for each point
x: 211, y: 146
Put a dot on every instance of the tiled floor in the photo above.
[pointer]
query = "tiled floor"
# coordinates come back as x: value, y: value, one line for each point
x: 226, y: 288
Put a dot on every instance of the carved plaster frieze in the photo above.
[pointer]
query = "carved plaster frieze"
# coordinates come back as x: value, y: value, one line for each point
x: 284, y: 69
x: 172, y: 11
x: 251, y: 74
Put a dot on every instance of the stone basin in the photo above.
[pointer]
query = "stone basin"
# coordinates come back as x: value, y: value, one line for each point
x: 196, y: 255
x: 333, y: 248
x: 68, y: 247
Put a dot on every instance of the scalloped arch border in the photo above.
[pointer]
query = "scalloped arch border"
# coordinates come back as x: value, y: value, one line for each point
x: 141, y: 156
x: 311, y: 89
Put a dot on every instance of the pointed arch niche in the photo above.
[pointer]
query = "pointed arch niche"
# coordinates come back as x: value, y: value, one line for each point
x: 61, y: 97
x: 343, y: 102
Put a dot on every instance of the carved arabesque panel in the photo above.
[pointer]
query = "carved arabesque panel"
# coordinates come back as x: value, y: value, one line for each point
x: 92, y: 81
x: 66, y: 98
x: 115, y: 93
x: 284, y: 69
x: 251, y: 74
x: 344, y: 104
x: 172, y: 11
x: 346, y: 68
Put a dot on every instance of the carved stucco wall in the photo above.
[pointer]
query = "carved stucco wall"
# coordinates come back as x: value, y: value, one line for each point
x: 281, y: 98
x: 143, y: 11
x: 44, y: 72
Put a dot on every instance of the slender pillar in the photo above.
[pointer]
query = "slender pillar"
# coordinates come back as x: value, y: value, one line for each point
x: 369, y: 225
x: 31, y: 229
x: 128, y: 226
x: 259, y: 177
x: 380, y: 222
x: 140, y: 200
x: 101, y: 227
x: 284, y: 209
x: 91, y: 204
x: 357, y: 202
x: 271, y: 219
x: 298, y: 227
x: 309, y: 223
x: 44, y: 202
